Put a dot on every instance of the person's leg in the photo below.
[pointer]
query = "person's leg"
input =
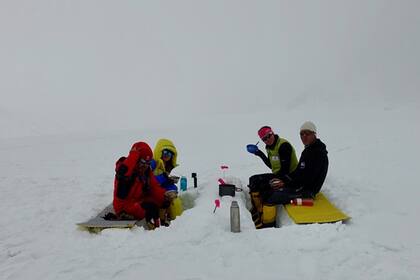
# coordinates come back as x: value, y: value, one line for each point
x: 282, y: 196
x: 259, y: 182
x: 270, y: 201
x: 258, y: 185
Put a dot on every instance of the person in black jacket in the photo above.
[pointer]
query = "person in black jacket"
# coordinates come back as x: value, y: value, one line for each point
x: 306, y: 181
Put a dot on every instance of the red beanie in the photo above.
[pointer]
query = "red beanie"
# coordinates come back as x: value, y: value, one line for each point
x: 263, y: 131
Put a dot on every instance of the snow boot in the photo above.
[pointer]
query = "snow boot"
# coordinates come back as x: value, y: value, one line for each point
x: 269, y: 215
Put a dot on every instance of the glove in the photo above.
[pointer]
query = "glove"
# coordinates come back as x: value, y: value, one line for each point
x: 170, y: 195
x: 276, y: 184
x: 153, y: 164
x: 252, y: 148
x: 151, y: 209
x: 175, y: 179
x: 122, y: 169
x: 169, y: 179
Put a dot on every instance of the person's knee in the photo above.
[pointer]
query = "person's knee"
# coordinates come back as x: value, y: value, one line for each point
x: 255, y: 183
x: 277, y: 197
x: 269, y: 215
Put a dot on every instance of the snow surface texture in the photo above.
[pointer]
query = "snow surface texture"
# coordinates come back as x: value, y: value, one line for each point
x: 82, y: 81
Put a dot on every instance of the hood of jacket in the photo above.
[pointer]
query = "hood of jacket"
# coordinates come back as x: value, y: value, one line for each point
x: 165, y: 144
x: 139, y: 150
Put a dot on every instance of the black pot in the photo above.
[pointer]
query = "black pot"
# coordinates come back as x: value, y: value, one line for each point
x: 226, y: 189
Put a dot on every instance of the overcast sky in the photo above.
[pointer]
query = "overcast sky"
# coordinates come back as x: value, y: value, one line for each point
x: 77, y: 65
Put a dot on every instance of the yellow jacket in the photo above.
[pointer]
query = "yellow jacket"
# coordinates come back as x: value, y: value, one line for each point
x: 164, y: 144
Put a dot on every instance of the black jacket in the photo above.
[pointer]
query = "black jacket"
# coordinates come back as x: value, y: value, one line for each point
x: 311, y: 171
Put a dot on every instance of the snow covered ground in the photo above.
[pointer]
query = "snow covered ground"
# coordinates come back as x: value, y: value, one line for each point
x: 81, y: 82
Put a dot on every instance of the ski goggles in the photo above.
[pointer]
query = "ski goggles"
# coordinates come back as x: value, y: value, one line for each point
x: 265, y: 138
x: 167, y: 153
x: 144, y: 162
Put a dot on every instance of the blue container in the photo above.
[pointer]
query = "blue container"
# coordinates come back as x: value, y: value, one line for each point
x: 183, y: 183
x: 252, y: 148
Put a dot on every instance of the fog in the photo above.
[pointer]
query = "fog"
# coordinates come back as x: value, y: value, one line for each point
x: 70, y: 66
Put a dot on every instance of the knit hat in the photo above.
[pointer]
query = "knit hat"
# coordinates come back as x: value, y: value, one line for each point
x: 263, y: 131
x: 308, y: 125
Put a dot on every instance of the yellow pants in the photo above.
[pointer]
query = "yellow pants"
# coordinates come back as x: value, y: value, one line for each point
x: 175, y: 208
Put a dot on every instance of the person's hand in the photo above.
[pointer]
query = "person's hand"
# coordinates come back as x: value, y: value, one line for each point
x: 175, y: 179
x: 252, y: 148
x: 153, y: 164
x: 121, y: 171
x: 276, y: 184
x: 170, y: 195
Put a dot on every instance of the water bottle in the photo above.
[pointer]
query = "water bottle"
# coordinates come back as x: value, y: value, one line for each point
x: 194, y: 176
x: 183, y: 183
x: 235, y: 223
x: 302, y: 201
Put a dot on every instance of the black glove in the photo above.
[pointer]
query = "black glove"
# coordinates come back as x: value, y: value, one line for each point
x: 124, y: 182
x: 122, y: 169
x: 151, y: 209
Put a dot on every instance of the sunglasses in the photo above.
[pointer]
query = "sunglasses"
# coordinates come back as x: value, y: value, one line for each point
x: 306, y: 133
x: 144, y: 162
x: 265, y: 138
x: 166, y: 153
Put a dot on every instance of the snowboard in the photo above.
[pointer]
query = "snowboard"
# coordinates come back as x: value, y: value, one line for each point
x: 323, y: 211
x: 98, y: 223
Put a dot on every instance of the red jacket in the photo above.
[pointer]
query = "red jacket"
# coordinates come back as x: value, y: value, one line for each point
x: 130, y: 189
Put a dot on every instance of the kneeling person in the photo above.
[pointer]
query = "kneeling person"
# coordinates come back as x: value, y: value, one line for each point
x: 165, y: 156
x: 137, y: 193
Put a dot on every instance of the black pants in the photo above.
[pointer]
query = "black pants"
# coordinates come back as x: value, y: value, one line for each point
x: 260, y: 183
x: 283, y: 196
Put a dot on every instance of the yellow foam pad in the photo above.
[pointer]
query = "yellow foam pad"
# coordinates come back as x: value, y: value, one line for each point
x: 323, y: 211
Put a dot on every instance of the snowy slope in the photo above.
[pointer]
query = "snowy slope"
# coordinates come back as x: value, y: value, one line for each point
x: 83, y: 81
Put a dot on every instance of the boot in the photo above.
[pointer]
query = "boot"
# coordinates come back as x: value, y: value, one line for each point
x: 256, y: 210
x: 269, y: 215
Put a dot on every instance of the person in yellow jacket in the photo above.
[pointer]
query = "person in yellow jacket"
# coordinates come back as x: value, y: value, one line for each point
x: 281, y: 159
x: 165, y: 155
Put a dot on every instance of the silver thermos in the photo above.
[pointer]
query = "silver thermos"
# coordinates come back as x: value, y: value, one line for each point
x: 235, y: 224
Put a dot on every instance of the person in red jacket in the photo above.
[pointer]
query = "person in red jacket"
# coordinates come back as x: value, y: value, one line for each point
x: 137, y: 193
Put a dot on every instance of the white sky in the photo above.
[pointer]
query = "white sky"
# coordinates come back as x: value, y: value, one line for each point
x: 77, y: 66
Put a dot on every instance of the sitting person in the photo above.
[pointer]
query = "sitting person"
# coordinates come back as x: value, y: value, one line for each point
x: 165, y: 156
x: 137, y: 193
x: 281, y: 159
x: 306, y: 181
